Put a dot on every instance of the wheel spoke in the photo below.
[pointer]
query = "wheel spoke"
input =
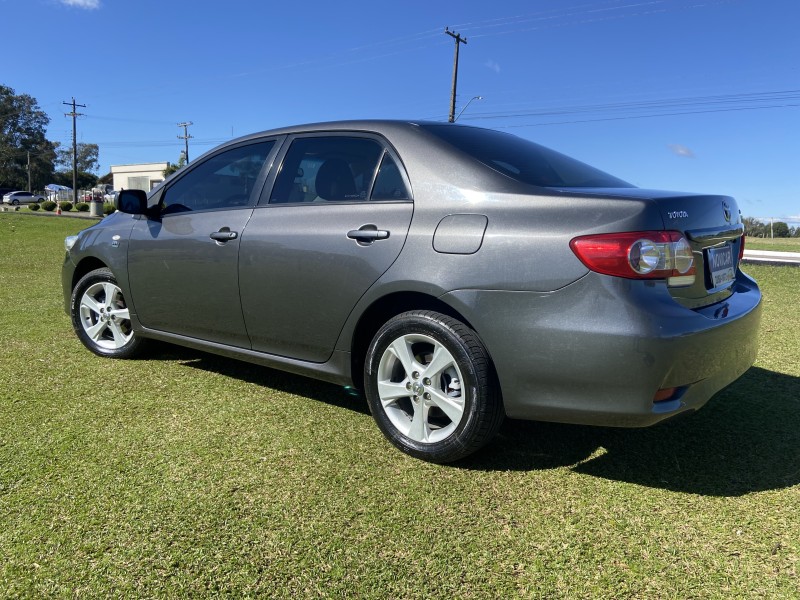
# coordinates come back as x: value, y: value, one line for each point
x: 419, y: 429
x: 96, y: 330
x: 121, y: 314
x: 440, y: 361
x: 452, y: 407
x: 402, y: 351
x: 90, y: 303
x: 119, y: 336
x: 111, y: 292
x: 390, y: 391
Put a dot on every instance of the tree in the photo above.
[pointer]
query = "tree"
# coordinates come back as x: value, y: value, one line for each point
x: 87, y: 157
x: 172, y: 168
x: 83, y: 181
x: 780, y: 229
x: 22, y: 134
x: 753, y: 227
x: 86, y: 161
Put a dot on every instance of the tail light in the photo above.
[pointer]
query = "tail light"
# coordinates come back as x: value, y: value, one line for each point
x: 741, y: 249
x: 638, y: 255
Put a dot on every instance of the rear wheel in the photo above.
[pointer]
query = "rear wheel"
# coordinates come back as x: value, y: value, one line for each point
x: 100, y: 316
x: 430, y: 387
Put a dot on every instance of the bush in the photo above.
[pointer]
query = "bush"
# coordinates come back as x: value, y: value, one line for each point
x: 66, y: 206
x: 33, y: 206
x: 82, y: 207
x: 49, y: 205
x: 108, y: 208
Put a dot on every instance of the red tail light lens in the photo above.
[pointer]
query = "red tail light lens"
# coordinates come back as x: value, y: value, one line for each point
x: 741, y: 249
x: 638, y: 255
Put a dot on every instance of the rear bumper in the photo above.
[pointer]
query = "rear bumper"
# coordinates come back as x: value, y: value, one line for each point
x: 597, y: 351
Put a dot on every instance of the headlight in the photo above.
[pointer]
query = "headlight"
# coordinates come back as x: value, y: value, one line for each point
x: 69, y: 242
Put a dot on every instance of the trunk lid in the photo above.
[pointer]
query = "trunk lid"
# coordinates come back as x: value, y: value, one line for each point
x: 713, y: 227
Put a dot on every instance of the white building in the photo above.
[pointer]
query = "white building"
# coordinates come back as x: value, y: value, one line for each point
x: 145, y: 176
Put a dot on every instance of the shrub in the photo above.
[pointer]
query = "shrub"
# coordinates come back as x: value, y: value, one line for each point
x: 33, y: 206
x: 108, y: 208
x: 66, y: 206
x: 49, y: 205
x: 82, y: 207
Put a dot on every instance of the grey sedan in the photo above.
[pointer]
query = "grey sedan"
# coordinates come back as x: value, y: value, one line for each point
x: 456, y: 275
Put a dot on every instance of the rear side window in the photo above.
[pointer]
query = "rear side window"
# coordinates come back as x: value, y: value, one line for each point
x: 337, y: 168
x: 225, y: 180
x: 389, y: 183
x: 523, y: 160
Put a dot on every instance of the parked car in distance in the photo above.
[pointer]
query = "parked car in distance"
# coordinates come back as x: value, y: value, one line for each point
x: 21, y: 197
x: 456, y: 275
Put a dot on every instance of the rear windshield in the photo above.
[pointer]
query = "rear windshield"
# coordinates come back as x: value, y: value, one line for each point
x: 523, y: 160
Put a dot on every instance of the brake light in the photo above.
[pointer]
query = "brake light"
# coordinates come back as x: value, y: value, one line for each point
x: 638, y: 255
x: 741, y: 249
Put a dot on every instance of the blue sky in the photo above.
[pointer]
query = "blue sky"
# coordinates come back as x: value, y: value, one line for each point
x: 692, y: 95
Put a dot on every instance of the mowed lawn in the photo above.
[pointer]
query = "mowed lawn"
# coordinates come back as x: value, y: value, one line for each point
x: 774, y: 244
x: 186, y: 474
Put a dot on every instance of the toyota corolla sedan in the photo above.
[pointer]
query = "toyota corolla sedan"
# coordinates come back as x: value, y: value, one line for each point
x: 456, y: 275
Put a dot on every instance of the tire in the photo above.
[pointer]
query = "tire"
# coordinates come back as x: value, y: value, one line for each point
x: 410, y: 374
x: 100, y: 316
x: 15, y: 202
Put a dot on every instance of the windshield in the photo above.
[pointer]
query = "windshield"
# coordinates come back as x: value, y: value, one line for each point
x: 523, y: 160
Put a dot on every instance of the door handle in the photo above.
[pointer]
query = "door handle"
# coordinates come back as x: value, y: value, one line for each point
x: 367, y: 234
x: 224, y: 235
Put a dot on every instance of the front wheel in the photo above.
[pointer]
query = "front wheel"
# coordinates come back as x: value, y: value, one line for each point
x: 100, y: 316
x: 431, y: 388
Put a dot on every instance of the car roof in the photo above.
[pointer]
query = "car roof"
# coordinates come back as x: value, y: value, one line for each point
x: 380, y: 126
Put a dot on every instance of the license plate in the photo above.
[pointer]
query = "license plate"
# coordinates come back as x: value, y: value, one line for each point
x: 720, y: 265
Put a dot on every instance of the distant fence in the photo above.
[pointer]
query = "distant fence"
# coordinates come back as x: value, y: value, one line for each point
x: 84, y: 195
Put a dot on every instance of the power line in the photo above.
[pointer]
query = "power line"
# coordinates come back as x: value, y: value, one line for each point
x: 717, y: 103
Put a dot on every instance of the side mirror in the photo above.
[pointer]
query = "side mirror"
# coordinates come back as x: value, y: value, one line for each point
x: 133, y: 202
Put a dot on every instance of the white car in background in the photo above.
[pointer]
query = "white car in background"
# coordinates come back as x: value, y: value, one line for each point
x: 21, y: 197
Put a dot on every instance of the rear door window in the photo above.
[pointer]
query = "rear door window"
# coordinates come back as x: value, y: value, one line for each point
x: 337, y: 168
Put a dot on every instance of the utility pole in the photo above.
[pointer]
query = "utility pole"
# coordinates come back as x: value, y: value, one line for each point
x: 185, y: 137
x: 29, y: 171
x: 459, y: 40
x: 74, y: 116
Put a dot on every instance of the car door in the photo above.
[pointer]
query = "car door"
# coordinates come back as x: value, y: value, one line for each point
x: 182, y: 263
x: 334, y: 221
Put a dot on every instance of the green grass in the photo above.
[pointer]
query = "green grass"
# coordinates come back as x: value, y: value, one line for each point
x: 776, y: 244
x: 191, y: 475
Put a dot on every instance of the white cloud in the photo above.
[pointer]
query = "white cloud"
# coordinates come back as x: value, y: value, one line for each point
x: 490, y: 64
x: 681, y: 150
x: 87, y: 4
